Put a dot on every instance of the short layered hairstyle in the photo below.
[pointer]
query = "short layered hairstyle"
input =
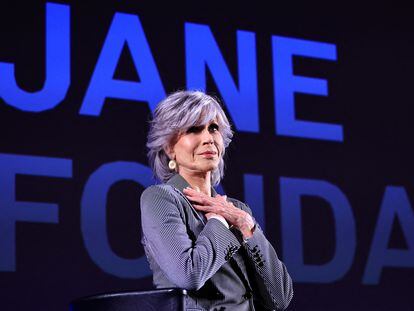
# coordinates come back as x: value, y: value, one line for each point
x: 175, y: 115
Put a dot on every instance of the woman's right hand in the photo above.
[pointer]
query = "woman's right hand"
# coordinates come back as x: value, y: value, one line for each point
x: 220, y: 206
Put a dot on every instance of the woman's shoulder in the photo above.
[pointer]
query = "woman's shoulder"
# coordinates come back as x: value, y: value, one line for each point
x: 157, y: 190
x: 161, y: 191
x: 161, y: 195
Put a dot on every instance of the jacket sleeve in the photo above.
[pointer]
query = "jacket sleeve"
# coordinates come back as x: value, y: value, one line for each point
x: 187, y: 263
x: 272, y: 278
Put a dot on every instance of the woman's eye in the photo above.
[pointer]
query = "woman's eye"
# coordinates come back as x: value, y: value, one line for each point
x: 197, y: 129
x: 213, y: 127
x: 194, y: 129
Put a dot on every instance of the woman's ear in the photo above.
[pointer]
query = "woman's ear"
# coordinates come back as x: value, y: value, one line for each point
x: 169, y: 150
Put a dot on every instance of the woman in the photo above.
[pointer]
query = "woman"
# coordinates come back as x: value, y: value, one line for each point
x: 194, y: 238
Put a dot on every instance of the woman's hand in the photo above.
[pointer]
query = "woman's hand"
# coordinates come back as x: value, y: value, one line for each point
x: 220, y: 206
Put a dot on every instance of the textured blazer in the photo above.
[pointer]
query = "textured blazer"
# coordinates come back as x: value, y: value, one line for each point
x: 185, y: 250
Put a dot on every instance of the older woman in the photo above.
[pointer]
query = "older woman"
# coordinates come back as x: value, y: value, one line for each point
x: 194, y: 238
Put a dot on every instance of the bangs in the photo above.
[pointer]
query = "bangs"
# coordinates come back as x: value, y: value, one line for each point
x: 207, y: 114
x: 202, y: 114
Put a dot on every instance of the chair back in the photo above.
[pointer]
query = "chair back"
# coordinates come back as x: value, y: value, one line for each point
x: 154, y: 300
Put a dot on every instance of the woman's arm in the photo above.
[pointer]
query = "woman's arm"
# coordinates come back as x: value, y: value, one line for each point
x: 187, y: 263
x: 272, y: 277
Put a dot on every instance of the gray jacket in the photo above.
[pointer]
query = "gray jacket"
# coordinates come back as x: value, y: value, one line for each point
x: 212, y: 262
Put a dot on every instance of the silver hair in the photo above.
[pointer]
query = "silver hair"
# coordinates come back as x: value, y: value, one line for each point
x: 175, y: 115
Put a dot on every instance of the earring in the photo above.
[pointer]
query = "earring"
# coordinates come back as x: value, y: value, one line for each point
x: 172, y: 165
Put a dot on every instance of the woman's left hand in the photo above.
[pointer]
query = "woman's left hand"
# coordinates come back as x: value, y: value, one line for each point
x: 219, y: 205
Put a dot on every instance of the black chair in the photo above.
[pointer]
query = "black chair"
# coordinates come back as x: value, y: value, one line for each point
x: 159, y: 300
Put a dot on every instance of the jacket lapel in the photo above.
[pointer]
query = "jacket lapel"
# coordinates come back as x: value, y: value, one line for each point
x: 179, y: 183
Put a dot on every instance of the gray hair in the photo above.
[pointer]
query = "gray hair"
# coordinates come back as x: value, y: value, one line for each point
x: 175, y: 115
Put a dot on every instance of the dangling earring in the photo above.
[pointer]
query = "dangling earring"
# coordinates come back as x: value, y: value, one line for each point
x: 172, y: 165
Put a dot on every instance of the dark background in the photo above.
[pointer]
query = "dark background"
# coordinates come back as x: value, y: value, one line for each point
x: 370, y: 95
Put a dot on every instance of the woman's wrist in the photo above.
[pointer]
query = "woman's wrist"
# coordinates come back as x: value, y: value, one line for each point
x: 248, y: 233
x: 247, y: 226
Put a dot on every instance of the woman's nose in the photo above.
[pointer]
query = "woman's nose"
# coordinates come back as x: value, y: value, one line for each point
x: 207, y: 137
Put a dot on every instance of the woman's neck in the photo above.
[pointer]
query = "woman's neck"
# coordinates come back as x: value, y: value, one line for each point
x: 199, y: 181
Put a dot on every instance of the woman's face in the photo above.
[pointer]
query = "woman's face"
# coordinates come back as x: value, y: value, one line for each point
x: 199, y: 149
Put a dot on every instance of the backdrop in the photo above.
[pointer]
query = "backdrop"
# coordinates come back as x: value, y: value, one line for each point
x: 319, y: 99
